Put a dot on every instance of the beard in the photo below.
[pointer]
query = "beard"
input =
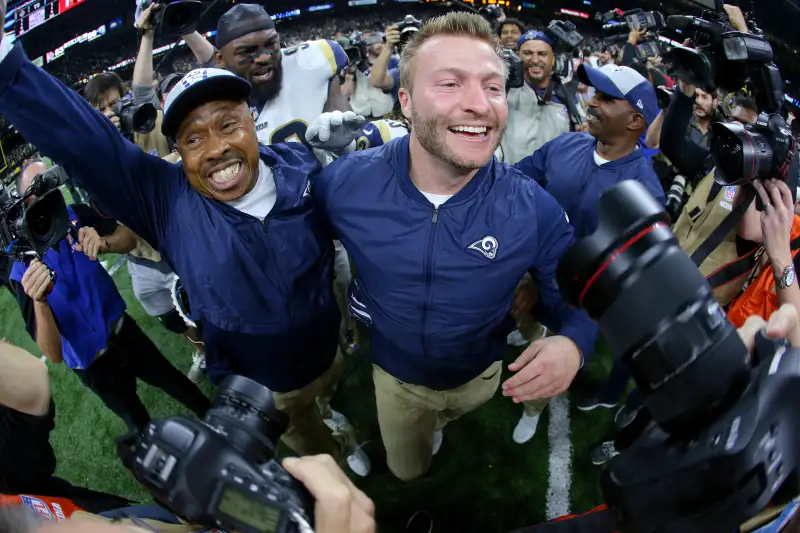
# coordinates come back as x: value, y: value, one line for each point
x: 265, y: 92
x: 432, y: 135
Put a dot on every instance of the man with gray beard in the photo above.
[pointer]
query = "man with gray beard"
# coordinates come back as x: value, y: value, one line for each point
x: 441, y: 233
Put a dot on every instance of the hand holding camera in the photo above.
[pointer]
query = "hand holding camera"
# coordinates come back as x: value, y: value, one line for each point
x: 776, y: 220
x: 110, y: 115
x: 145, y: 21
x: 37, y: 281
x: 340, y: 507
x: 392, y: 35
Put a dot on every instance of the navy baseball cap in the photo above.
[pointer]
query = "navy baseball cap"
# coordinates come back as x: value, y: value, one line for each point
x: 199, y: 87
x: 623, y: 83
x: 533, y: 35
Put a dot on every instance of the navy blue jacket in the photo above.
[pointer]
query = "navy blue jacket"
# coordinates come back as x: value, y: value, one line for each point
x: 84, y: 300
x: 565, y: 167
x: 262, y: 288
x: 439, y: 282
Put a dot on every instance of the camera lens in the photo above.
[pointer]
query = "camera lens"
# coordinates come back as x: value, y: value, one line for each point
x: 245, y: 412
x: 655, y: 309
x: 740, y: 154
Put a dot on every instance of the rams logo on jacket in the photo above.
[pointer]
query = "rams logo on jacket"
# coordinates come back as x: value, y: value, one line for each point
x: 486, y: 246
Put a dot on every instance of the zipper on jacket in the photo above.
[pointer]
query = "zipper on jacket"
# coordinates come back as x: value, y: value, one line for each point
x: 428, y: 281
x: 277, y: 263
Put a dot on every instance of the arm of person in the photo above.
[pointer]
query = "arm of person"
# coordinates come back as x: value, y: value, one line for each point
x: 24, y: 384
x: 40, y: 323
x: 688, y: 157
x: 534, y: 165
x: 349, y: 84
x: 143, y: 69
x: 379, y: 76
x: 337, y: 58
x: 202, y: 49
x: 548, y: 366
x: 100, y: 235
x: 653, y: 137
x: 126, y: 183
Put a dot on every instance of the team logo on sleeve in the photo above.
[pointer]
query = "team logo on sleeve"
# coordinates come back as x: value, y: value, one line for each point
x: 38, y: 506
x: 486, y: 246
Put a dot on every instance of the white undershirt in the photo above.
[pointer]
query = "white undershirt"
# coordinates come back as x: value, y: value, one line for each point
x: 599, y: 161
x: 436, y: 199
x: 261, y: 199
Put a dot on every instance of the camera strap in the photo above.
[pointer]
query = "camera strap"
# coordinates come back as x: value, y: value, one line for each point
x: 566, y: 99
x: 726, y: 226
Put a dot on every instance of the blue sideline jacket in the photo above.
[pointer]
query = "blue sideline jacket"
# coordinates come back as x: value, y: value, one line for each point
x: 262, y: 288
x: 438, y: 283
x: 565, y: 167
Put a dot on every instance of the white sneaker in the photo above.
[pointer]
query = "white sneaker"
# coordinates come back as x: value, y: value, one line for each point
x: 198, y: 369
x: 515, y: 338
x: 526, y: 428
x: 337, y: 421
x: 359, y: 463
x: 437, y: 441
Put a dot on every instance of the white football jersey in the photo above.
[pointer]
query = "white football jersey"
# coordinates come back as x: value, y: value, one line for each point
x: 307, y: 72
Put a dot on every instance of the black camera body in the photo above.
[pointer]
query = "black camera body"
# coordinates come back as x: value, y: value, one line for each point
x: 30, y: 230
x: 617, y: 21
x: 220, y: 472
x: 407, y: 28
x: 516, y: 70
x: 565, y: 38
x: 726, y: 437
x: 492, y: 13
x: 174, y: 17
x: 358, y: 51
x: 135, y: 118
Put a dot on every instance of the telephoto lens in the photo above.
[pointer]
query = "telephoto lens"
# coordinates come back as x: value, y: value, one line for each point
x: 675, y: 197
x: 656, y: 310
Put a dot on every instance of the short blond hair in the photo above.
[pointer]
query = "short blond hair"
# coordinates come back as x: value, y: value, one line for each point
x: 457, y: 23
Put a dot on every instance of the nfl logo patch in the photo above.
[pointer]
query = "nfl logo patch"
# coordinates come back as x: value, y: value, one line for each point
x: 38, y: 506
x: 730, y: 193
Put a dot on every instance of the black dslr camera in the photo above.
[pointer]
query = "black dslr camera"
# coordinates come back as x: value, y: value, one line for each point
x: 30, y: 230
x: 220, y: 472
x: 729, y: 59
x: 358, y: 51
x: 407, y: 28
x: 135, y: 118
x: 173, y: 17
x: 726, y: 438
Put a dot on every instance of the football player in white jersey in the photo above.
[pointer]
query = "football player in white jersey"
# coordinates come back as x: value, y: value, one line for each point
x: 291, y: 87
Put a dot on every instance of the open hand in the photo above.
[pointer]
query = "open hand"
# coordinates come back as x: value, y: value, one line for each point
x: 334, y: 131
x: 340, y: 507
x: 545, y: 369
x: 90, y: 243
x: 36, y: 281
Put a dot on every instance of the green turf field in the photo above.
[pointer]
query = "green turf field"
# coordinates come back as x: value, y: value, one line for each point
x: 479, y: 482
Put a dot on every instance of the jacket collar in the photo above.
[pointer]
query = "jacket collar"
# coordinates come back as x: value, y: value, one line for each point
x: 400, y: 164
x: 633, y: 157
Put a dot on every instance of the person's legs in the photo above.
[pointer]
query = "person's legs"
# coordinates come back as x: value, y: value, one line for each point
x: 111, y: 379
x: 468, y: 397
x: 149, y: 364
x: 407, y: 415
x: 307, y: 433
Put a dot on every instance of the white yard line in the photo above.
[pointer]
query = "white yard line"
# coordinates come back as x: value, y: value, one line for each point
x: 560, y: 462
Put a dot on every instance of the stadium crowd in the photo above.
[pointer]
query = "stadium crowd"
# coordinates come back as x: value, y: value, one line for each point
x: 297, y: 187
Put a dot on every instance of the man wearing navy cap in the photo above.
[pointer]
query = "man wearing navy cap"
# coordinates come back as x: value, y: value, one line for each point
x: 235, y: 220
x: 622, y: 108
x: 540, y: 110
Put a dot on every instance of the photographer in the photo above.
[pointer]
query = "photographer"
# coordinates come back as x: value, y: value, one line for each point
x: 80, y: 318
x: 365, y: 100
x: 384, y: 74
x: 27, y: 416
x: 538, y: 111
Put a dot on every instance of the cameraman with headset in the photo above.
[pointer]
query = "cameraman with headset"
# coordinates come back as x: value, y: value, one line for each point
x: 370, y: 102
x: 79, y: 317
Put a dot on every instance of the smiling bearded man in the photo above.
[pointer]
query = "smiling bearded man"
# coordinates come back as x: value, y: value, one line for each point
x: 440, y: 234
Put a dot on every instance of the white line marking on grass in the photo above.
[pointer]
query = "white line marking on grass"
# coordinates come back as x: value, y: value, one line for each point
x: 560, y: 462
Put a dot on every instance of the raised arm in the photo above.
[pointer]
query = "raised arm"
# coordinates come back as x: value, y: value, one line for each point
x: 126, y: 183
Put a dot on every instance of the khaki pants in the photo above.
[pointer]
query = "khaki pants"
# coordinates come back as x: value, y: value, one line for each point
x: 307, y: 408
x: 409, y: 415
